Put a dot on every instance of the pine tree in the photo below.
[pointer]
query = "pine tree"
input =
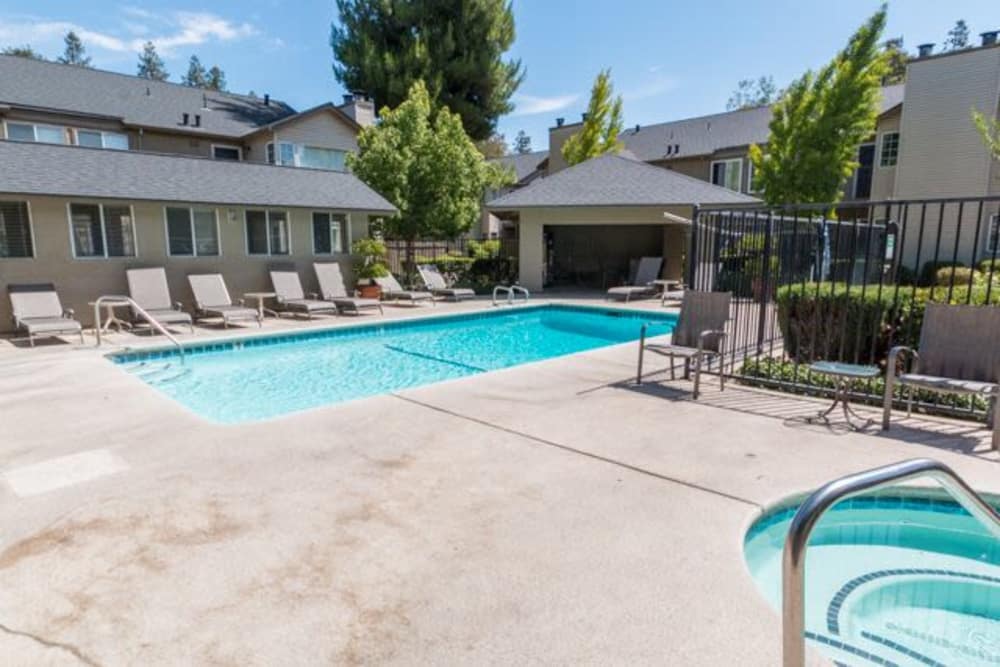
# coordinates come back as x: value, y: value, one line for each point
x: 818, y: 124
x: 603, y: 124
x: 74, y: 52
x: 196, y: 76
x: 151, y: 65
x: 522, y: 143
x: 750, y: 93
x: 216, y: 79
x: 22, y: 52
x: 455, y: 46
x: 958, y: 37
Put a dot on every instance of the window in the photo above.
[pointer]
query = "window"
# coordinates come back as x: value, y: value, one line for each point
x: 192, y: 232
x: 322, y: 158
x: 99, y: 139
x: 285, y: 155
x: 101, y: 230
x: 227, y: 152
x: 328, y: 233
x: 45, y: 134
x: 728, y: 173
x: 890, y: 149
x: 753, y: 179
x: 268, y: 233
x: 15, y: 230
x: 993, y: 236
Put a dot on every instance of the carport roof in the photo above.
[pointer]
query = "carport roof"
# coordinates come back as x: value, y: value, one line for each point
x: 616, y: 180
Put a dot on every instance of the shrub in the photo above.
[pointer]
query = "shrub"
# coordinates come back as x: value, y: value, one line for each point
x: 958, y: 276
x: 990, y: 267
x: 371, y: 259
x: 929, y: 271
x: 481, y: 271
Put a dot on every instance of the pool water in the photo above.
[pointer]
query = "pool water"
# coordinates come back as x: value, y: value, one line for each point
x: 904, y: 577
x: 268, y: 376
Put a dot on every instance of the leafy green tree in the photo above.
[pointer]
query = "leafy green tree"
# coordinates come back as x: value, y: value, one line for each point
x: 958, y: 37
x: 427, y: 166
x: 494, y: 147
x: 74, y: 53
x: 522, y: 143
x: 22, y: 52
x: 751, y: 93
x: 196, y: 76
x: 818, y: 124
x: 216, y: 79
x: 456, y: 47
x: 603, y: 124
x: 151, y: 64
x: 989, y: 128
x: 896, y: 57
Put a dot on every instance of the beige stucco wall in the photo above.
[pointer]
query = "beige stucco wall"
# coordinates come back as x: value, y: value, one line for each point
x: 322, y: 130
x: 82, y: 280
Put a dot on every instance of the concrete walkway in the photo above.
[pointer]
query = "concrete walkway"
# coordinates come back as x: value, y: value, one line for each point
x: 546, y: 514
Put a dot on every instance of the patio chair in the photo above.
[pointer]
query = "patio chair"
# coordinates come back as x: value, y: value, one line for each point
x: 331, y: 287
x: 148, y: 288
x: 699, y: 336
x: 38, y: 311
x: 438, y: 286
x: 291, y: 297
x: 647, y: 271
x: 391, y: 289
x: 211, y: 299
x: 958, y: 353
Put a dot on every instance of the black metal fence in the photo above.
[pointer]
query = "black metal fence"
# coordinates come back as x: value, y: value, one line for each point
x: 434, y: 250
x: 842, y: 282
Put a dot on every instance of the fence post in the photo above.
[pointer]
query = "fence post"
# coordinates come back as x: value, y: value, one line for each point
x: 692, y: 258
x: 765, y: 282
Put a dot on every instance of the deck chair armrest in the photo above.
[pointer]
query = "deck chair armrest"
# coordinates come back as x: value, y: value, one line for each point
x: 898, y: 351
x: 704, y: 335
x: 69, y: 313
x: 645, y: 328
x: 178, y: 305
x: 313, y: 295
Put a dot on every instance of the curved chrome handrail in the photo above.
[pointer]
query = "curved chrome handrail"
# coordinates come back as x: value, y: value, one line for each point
x: 511, y: 291
x: 793, y: 582
x: 122, y: 300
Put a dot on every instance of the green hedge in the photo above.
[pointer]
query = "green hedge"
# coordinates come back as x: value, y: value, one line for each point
x: 481, y: 269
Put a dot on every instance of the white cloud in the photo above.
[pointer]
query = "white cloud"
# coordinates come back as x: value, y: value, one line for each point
x: 653, y: 87
x: 526, y: 105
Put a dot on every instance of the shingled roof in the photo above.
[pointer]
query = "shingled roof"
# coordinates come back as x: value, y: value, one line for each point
x: 30, y: 83
x: 523, y: 164
x: 73, y: 171
x: 615, y: 180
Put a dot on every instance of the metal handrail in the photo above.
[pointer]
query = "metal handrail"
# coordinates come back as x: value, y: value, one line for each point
x: 793, y: 581
x: 512, y: 291
x: 122, y: 300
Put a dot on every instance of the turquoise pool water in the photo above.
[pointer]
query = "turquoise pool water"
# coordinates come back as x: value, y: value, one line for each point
x: 905, y: 577
x: 268, y: 376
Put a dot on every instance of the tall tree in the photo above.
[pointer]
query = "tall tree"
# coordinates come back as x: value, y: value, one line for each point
x: 751, y: 93
x: 74, y: 53
x: 151, y: 64
x: 456, y: 47
x: 216, y: 79
x: 818, y: 124
x: 958, y: 37
x: 22, y: 52
x: 196, y: 76
x: 895, y: 57
x: 423, y: 162
x: 522, y: 143
x: 603, y: 124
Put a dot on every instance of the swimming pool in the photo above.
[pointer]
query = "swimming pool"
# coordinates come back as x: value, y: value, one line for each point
x: 903, y: 577
x: 261, y: 377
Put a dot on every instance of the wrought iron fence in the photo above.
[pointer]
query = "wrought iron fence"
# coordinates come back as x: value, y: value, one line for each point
x: 435, y: 250
x: 842, y: 282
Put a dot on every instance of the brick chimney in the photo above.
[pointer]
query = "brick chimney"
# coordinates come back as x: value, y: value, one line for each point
x: 360, y: 107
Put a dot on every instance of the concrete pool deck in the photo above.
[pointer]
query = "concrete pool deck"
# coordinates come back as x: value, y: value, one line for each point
x: 549, y: 513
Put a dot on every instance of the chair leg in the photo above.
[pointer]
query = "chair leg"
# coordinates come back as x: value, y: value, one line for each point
x: 909, y: 401
x: 890, y: 387
x: 722, y: 373
x: 996, y: 423
x: 697, y: 376
x: 673, y: 371
x: 82, y: 341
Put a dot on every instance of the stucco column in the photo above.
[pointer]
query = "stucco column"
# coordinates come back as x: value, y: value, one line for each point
x: 531, y: 254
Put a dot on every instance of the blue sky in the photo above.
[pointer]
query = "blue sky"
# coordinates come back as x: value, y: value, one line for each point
x: 669, y: 58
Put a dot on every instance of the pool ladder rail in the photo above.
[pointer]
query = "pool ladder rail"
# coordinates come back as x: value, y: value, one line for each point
x: 512, y: 291
x: 793, y: 581
x: 140, y: 311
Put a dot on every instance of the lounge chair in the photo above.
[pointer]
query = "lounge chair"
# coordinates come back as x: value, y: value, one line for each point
x: 437, y: 285
x: 148, y: 288
x: 291, y: 297
x: 38, y: 311
x: 642, y: 285
x: 958, y: 353
x: 698, y: 336
x: 391, y: 289
x: 331, y: 287
x: 211, y: 299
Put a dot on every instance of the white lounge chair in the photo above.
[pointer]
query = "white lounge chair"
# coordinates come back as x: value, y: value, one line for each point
x: 391, y: 289
x: 38, y: 311
x: 292, y: 298
x: 438, y: 286
x: 642, y: 285
x: 331, y: 287
x: 148, y: 288
x: 211, y: 299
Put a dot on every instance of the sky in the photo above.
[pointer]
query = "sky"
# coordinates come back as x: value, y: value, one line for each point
x: 669, y: 59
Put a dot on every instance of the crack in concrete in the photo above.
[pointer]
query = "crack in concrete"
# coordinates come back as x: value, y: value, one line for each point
x: 69, y: 648
x: 583, y: 452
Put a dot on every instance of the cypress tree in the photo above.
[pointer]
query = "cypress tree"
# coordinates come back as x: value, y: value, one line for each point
x: 599, y: 134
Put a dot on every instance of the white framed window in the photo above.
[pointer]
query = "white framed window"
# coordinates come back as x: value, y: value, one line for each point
x: 43, y: 134
x: 99, y: 139
x: 283, y: 155
x: 889, y: 149
x: 728, y: 173
x: 993, y: 236
x: 329, y: 159
x: 753, y: 184
x: 192, y: 232
x: 17, y: 238
x: 268, y: 232
x: 328, y: 232
x: 227, y: 152
x: 101, y: 230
